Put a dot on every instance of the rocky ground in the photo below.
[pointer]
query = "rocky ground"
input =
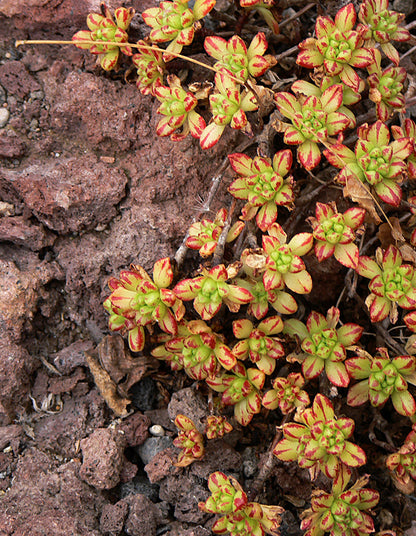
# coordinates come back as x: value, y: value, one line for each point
x: 87, y: 188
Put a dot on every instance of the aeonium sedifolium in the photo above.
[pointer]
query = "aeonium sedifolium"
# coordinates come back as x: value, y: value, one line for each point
x: 137, y: 300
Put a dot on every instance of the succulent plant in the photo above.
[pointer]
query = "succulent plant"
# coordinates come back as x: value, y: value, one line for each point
x: 204, y: 234
x: 227, y: 495
x: 239, y: 517
x: 283, y: 302
x: 136, y: 301
x: 323, y: 345
x: 314, y: 120
x: 198, y: 349
x: 228, y: 107
x: 176, y: 22
x: 234, y: 57
x: 240, y: 389
x: 262, y: 184
x: 380, y: 26
x: 382, y: 378
x: 386, y: 88
x: 392, y: 284
x: 189, y: 440
x: 375, y: 161
x: 337, y: 48
x: 254, y: 264
x: 287, y: 394
x: 106, y: 28
x: 284, y: 267
x: 319, y: 441
x: 402, y: 464
x: 335, y: 233
x: 266, y: 8
x: 410, y: 321
x: 408, y: 131
x: 210, y: 290
x: 150, y: 68
x: 178, y: 108
x: 349, y: 96
x: 258, y: 343
x: 217, y: 426
x: 343, y: 511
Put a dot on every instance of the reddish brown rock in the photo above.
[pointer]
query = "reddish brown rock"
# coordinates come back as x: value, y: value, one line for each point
x: 136, y: 514
x: 16, y: 366
x: 81, y: 414
x: 30, y: 15
x: 190, y: 403
x: 71, y: 357
x: 77, y: 104
x: 219, y: 456
x: 20, y: 287
x: 142, y: 516
x: 18, y: 296
x: 18, y: 230
x: 67, y: 194
x: 162, y: 465
x: 185, y: 492
x: 11, y: 435
x: 11, y: 145
x: 113, y: 517
x: 16, y: 80
x: 135, y: 429
x: 47, y: 500
x: 66, y: 384
x: 180, y: 529
x: 103, y: 458
x: 7, y: 466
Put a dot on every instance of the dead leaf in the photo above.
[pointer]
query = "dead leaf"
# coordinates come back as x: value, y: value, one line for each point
x: 116, y: 359
x: 254, y: 259
x: 201, y: 90
x: 110, y: 363
x: 106, y: 386
x: 396, y: 231
x: 384, y: 235
x: 405, y: 487
x: 265, y: 99
x: 279, y: 126
x: 411, y: 347
x: 408, y: 253
x: 355, y: 189
x: 391, y: 234
x: 295, y: 357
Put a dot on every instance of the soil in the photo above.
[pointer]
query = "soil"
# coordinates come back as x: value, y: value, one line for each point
x: 86, y: 189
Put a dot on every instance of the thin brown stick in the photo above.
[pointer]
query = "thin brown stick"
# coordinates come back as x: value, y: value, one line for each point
x: 384, y: 334
x: 216, y: 181
x: 297, y: 14
x: 381, y: 424
x: 219, y: 250
x: 268, y: 462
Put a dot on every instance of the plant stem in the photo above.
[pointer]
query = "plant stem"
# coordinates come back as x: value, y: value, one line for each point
x: 268, y: 461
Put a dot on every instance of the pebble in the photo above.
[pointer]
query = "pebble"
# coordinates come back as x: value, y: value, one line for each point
x: 6, y: 209
x: 157, y: 430
x: 37, y: 95
x: 152, y: 446
x: 4, y: 117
